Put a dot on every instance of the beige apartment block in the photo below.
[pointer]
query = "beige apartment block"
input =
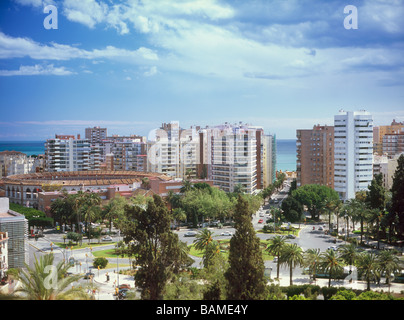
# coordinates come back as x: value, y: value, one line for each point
x: 315, y: 156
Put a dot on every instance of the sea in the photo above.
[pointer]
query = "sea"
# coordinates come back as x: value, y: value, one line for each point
x: 285, y: 151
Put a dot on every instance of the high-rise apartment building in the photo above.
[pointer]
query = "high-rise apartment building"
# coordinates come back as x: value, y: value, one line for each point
x: 353, y: 152
x: 238, y: 154
x: 173, y: 151
x: 380, y: 131
x: 66, y: 153
x: 393, y: 144
x: 268, y: 159
x: 128, y: 154
x: 96, y: 134
x: 315, y: 156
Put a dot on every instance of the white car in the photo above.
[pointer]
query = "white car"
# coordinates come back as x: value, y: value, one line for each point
x: 190, y: 234
x: 226, y: 233
x: 335, y: 248
x: 106, y: 238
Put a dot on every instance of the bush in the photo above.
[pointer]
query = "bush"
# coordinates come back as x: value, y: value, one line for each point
x: 328, y: 292
x: 74, y: 236
x: 100, y: 262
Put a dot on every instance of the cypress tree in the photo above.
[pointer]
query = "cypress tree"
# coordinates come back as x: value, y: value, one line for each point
x: 397, y: 194
x: 245, y: 275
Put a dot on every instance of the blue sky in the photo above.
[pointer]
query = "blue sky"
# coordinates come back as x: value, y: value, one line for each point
x: 131, y: 65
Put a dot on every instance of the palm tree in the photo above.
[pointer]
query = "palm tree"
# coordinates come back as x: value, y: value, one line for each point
x: 292, y: 256
x: 312, y: 259
x: 375, y: 217
x: 204, y: 242
x: 368, y: 267
x: 91, y: 200
x: 388, y: 263
x: 348, y: 253
x: 48, y: 282
x: 179, y: 215
x: 238, y: 188
x: 331, y: 263
x: 275, y: 248
x: 359, y: 213
x: 186, y: 186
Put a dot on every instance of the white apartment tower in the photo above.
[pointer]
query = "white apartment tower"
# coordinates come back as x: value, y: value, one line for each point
x: 173, y: 151
x: 238, y: 154
x: 353, y: 152
x: 66, y: 153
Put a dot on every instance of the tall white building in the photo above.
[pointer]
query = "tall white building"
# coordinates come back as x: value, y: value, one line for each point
x: 237, y: 154
x: 353, y: 152
x: 66, y: 153
x: 173, y: 151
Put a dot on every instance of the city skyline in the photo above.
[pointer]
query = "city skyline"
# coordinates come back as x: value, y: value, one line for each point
x: 131, y: 66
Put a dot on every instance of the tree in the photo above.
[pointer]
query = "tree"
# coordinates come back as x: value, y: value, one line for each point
x: 368, y: 267
x: 314, y: 196
x: 292, y: 209
x: 204, y: 242
x: 397, y: 192
x: 114, y: 209
x: 349, y: 253
x: 388, y: 263
x: 331, y: 263
x: 48, y: 282
x: 156, y: 248
x: 376, y: 196
x: 239, y: 188
x: 292, y: 256
x: 245, y: 275
x: 100, y: 262
x: 186, y: 186
x: 312, y: 259
x: 275, y: 248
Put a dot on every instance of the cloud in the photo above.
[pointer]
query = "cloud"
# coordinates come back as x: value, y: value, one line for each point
x: 151, y: 72
x: 37, y: 70
x: 11, y: 47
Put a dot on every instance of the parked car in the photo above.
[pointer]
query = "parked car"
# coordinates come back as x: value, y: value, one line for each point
x: 124, y: 286
x: 106, y: 238
x: 88, y: 275
x: 190, y: 234
x: 226, y: 233
x: 260, y: 221
x: 335, y: 248
x: 320, y: 228
x: 291, y: 236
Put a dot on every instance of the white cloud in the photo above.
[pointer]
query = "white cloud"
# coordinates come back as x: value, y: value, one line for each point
x: 151, y: 72
x: 87, y: 12
x: 37, y: 70
x: 11, y: 47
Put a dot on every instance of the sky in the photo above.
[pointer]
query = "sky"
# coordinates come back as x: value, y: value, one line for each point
x: 132, y: 65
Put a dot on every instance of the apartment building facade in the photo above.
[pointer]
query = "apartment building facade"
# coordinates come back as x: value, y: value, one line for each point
x: 315, y: 156
x: 16, y: 227
x: 14, y: 162
x: 174, y: 151
x: 96, y: 134
x: 353, y: 152
x: 380, y: 131
x: 67, y: 153
x: 237, y: 154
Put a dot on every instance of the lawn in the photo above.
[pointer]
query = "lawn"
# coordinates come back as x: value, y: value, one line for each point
x: 84, y: 245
